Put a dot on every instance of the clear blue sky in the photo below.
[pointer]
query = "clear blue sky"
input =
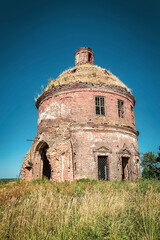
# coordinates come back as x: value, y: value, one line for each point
x: 38, y: 39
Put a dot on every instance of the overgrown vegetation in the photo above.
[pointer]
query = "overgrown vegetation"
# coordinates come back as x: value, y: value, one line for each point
x: 84, y: 209
x: 7, y: 180
x: 151, y: 165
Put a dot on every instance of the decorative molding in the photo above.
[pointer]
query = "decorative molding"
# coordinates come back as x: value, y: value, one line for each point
x: 106, y: 128
x: 125, y: 150
x: 103, y: 149
x: 74, y: 86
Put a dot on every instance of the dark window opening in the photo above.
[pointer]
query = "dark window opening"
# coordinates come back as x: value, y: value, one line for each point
x: 102, y: 168
x: 89, y: 57
x: 46, y: 166
x: 100, y: 105
x: 77, y: 58
x: 75, y: 166
x: 29, y: 168
x: 74, y: 70
x: 132, y: 113
x: 138, y: 167
x: 121, y: 109
x: 125, y: 173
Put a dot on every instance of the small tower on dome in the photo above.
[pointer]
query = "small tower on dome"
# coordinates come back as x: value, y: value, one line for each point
x: 84, y: 55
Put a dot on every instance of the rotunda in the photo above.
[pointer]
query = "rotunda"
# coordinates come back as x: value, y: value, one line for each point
x: 86, y: 127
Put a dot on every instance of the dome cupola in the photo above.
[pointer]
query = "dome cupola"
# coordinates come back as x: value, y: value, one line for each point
x: 84, y: 55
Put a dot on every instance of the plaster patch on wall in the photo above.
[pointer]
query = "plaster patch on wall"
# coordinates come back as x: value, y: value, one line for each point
x: 51, y: 112
x: 92, y: 146
x: 65, y: 110
x: 120, y: 135
x: 98, y: 140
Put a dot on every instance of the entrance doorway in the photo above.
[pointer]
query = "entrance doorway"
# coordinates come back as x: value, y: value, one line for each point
x: 46, y: 166
x: 102, y: 168
x: 125, y: 174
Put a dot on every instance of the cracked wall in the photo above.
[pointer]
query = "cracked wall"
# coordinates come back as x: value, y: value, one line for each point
x: 76, y: 136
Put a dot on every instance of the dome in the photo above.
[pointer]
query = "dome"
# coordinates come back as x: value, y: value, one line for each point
x: 87, y: 73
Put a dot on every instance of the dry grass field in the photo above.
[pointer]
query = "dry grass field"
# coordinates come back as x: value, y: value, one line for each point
x: 84, y: 209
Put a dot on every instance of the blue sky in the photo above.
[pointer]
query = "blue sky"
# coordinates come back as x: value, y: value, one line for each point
x: 38, y: 39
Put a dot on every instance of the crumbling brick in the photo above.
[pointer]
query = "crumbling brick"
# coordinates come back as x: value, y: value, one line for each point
x: 77, y: 136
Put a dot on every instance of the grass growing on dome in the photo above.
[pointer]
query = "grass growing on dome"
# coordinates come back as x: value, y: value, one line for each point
x: 83, y: 209
x: 86, y: 73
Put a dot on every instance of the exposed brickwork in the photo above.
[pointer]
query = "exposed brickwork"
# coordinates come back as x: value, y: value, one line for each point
x: 84, y: 55
x: 75, y: 136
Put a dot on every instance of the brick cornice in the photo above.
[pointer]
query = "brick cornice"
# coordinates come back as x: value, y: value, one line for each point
x: 67, y: 87
x: 107, y: 128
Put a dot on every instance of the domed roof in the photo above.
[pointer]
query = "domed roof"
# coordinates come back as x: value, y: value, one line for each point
x: 87, y: 73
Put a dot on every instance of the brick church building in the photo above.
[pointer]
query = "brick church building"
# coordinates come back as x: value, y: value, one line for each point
x: 86, y: 127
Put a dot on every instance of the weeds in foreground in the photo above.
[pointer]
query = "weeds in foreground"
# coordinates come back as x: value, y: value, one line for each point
x: 82, y: 210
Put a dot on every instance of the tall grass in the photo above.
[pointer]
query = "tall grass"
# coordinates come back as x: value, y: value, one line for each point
x: 84, y: 209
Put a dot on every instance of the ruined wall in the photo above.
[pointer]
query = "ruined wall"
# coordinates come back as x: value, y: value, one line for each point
x: 74, y: 149
x: 91, y: 143
x: 78, y: 105
x: 59, y: 152
x: 76, y: 136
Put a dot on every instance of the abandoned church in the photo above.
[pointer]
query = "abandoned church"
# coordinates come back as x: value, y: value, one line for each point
x: 86, y: 127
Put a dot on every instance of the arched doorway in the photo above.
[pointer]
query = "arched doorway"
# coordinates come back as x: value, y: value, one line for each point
x: 45, y: 165
x: 125, y: 170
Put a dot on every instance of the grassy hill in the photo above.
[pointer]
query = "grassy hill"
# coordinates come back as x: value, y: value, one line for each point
x: 84, y: 209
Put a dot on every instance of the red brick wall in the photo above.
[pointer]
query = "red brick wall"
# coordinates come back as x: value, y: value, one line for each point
x: 90, y: 144
x: 67, y: 123
x: 78, y: 105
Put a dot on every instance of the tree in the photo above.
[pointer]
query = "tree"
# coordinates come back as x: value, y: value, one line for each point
x: 151, y: 165
x: 158, y: 159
